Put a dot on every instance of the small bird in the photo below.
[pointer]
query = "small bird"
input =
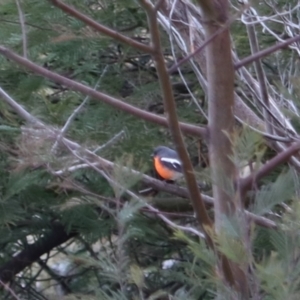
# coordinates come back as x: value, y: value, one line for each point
x: 167, y: 164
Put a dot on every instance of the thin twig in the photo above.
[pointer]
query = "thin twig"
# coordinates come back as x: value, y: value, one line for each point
x: 282, y: 157
x: 101, y: 28
x: 272, y: 137
x: 77, y: 166
x: 247, y: 60
x: 171, y: 37
x: 200, y: 48
x: 23, y: 28
x: 110, y: 142
x: 261, y: 77
x: 19, y: 109
x: 26, y: 23
x: 277, y: 116
x: 75, y: 112
x: 224, y: 27
x: 10, y: 290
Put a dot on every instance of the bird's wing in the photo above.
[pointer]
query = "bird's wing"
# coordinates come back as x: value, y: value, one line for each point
x: 172, y: 163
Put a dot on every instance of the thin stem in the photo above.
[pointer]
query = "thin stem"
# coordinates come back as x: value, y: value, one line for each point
x: 19, y: 109
x: 23, y: 28
x: 260, y: 73
x: 75, y: 112
x: 101, y: 28
x: 110, y: 142
x: 247, y: 60
x: 202, y: 47
x: 282, y: 157
x: 9, y: 289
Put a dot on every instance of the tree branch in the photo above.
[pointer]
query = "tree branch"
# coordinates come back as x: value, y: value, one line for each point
x: 108, y: 165
x: 173, y: 124
x: 101, y: 28
x: 114, y: 102
x: 32, y: 252
x: 220, y: 77
x: 247, y: 183
x: 247, y: 60
x: 260, y: 74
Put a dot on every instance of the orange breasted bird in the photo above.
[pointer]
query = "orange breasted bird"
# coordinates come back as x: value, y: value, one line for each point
x: 167, y: 164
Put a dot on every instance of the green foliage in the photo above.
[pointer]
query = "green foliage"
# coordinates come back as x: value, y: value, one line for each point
x: 123, y: 250
x: 281, y: 190
x: 248, y: 146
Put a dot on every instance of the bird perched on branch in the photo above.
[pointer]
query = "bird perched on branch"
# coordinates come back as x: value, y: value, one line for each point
x: 167, y: 164
x: 167, y: 167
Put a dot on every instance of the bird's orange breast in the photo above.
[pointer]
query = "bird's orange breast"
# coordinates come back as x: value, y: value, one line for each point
x: 163, y: 172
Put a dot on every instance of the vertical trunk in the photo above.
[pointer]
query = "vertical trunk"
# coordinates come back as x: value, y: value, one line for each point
x: 220, y: 76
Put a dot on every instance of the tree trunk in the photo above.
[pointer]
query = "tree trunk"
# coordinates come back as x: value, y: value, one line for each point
x: 220, y: 77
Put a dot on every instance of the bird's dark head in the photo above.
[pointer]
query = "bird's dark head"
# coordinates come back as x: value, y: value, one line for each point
x: 159, y: 150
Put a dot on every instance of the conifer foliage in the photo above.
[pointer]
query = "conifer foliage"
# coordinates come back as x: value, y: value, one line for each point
x: 88, y: 89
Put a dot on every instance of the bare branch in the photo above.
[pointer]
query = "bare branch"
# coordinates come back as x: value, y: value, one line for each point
x: 260, y: 74
x: 189, y: 35
x: 32, y: 252
x: 101, y: 28
x: 79, y: 87
x: 195, y: 100
x: 198, y: 50
x: 26, y: 23
x: 19, y: 109
x: 246, y: 183
x: 110, y: 142
x: 75, y: 112
x: 173, y: 124
x: 265, y: 52
x: 202, y: 47
x: 9, y: 289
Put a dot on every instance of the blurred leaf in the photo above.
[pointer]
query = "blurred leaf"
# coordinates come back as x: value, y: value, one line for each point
x: 128, y: 211
x: 248, y: 146
x: 137, y: 275
x: 271, y: 194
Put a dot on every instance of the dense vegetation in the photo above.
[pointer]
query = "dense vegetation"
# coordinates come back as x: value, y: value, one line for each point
x: 74, y: 223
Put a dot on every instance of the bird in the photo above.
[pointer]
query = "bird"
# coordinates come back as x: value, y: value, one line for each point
x: 167, y: 164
